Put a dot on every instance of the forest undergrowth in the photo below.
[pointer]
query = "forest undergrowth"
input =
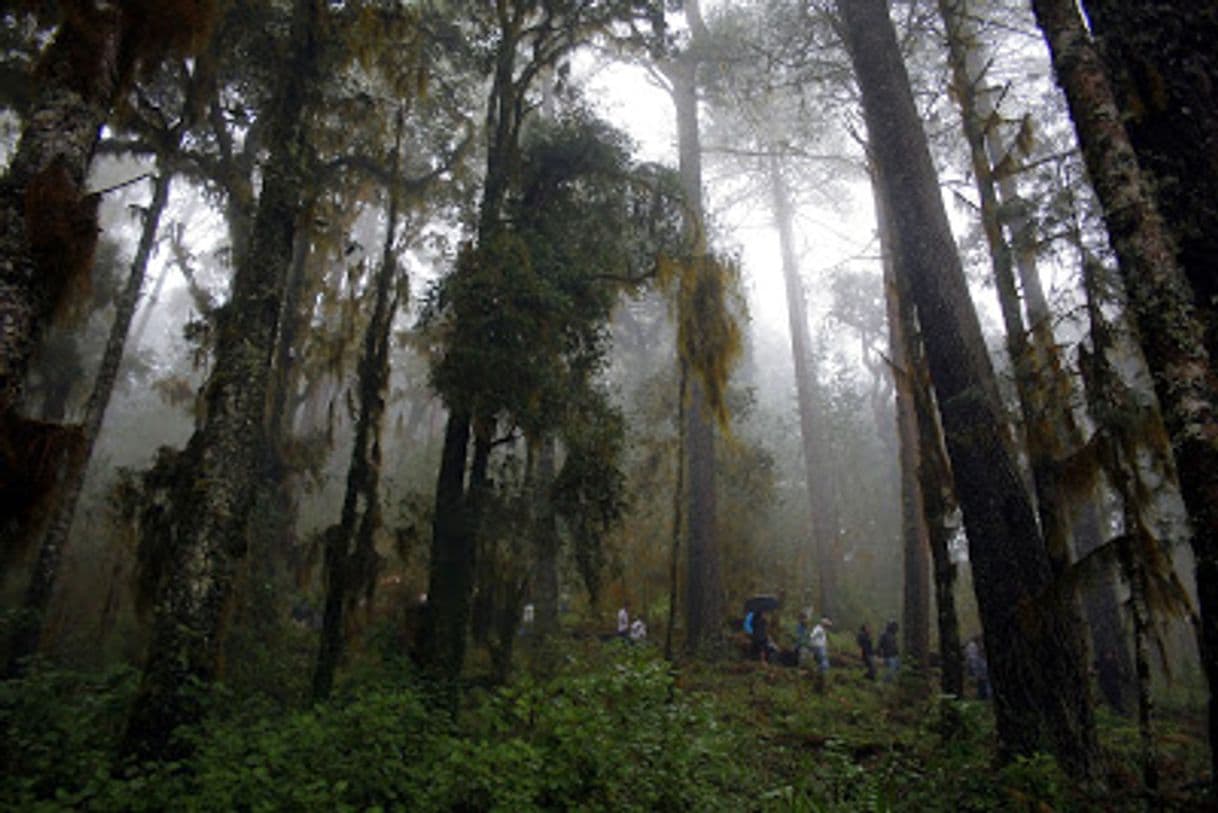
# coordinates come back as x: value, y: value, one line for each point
x: 614, y: 727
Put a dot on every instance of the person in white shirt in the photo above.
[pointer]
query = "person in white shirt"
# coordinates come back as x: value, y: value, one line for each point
x: 638, y: 631
x: 623, y: 620
x: 818, y: 640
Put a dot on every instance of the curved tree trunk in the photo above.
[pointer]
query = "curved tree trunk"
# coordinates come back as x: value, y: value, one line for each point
x: 1040, y: 687
x: 225, y: 459
x: 1169, y: 329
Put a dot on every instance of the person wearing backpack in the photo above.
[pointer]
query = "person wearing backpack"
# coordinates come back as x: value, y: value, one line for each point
x: 890, y: 652
x: 759, y: 634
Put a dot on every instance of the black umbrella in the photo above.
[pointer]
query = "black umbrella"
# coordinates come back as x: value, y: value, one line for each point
x: 761, y: 603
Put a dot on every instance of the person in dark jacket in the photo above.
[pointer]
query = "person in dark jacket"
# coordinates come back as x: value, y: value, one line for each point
x: 866, y: 650
x: 761, y: 636
x: 889, y: 651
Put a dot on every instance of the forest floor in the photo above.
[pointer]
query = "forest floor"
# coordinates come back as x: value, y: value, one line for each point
x: 850, y: 743
x: 605, y: 726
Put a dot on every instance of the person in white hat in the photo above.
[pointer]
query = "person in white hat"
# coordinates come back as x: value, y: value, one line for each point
x: 818, y: 640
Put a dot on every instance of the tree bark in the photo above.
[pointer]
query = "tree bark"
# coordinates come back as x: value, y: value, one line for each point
x: 924, y: 478
x: 1161, y: 61
x: 451, y: 570
x: 48, y: 224
x: 1169, y: 329
x: 703, y: 589
x: 225, y: 458
x: 1040, y: 687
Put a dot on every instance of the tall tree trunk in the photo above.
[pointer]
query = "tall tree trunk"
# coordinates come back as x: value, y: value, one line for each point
x: 1168, y: 326
x: 821, y: 532
x: 451, y: 570
x: 1044, y: 446
x: 703, y: 590
x: 75, y: 466
x: 1161, y: 60
x: 226, y: 457
x: 48, y: 224
x: 452, y: 567
x: 351, y: 558
x: 1045, y: 391
x: 48, y: 232
x: 922, y: 461
x: 1040, y: 687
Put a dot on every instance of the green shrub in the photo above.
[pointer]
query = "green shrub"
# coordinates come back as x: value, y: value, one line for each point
x: 57, y: 730
x: 617, y: 737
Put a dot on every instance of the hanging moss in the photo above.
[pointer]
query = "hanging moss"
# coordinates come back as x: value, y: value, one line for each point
x: 708, y: 332
x: 62, y: 230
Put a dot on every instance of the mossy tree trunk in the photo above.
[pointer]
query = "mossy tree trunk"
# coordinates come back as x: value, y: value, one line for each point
x: 1039, y: 682
x: 48, y: 224
x: 703, y: 586
x: 351, y: 560
x: 1161, y: 60
x: 204, y: 532
x: 48, y: 232
x: 1169, y: 328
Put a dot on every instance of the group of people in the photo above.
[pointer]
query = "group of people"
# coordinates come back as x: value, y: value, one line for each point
x: 629, y: 630
x: 888, y: 651
x: 812, y: 644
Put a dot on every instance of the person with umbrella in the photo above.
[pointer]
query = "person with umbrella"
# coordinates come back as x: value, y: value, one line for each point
x: 759, y: 632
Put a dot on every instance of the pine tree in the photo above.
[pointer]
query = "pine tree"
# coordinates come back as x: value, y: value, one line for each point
x: 1033, y: 644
